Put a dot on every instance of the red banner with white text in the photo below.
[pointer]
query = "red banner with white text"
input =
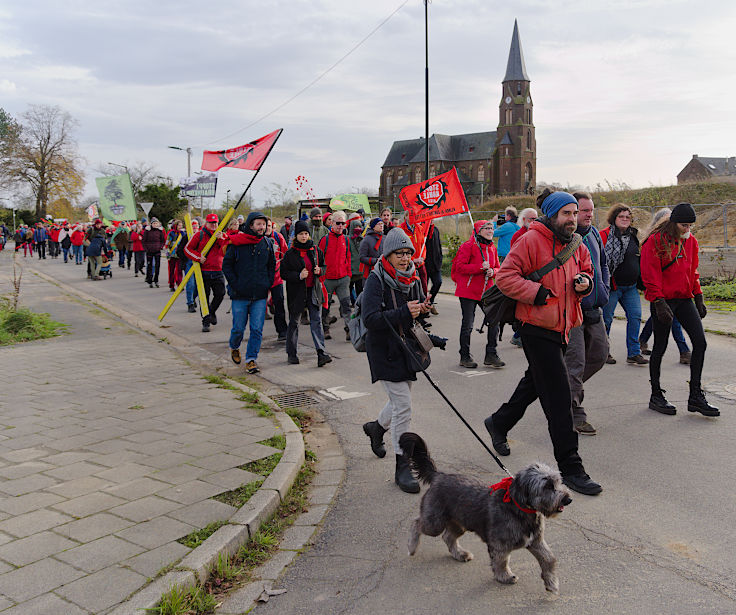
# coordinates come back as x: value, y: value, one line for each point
x: 434, y: 198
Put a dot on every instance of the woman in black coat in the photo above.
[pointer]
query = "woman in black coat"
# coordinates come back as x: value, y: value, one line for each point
x: 302, y: 267
x: 392, y: 294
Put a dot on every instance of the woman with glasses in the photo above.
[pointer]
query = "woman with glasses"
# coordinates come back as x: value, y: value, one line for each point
x: 392, y: 299
x: 669, y: 268
x: 621, y: 246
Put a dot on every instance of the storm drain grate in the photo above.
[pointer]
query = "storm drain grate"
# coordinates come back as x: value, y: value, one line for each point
x: 300, y: 399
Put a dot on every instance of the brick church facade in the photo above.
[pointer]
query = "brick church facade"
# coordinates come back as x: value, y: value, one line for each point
x: 503, y: 161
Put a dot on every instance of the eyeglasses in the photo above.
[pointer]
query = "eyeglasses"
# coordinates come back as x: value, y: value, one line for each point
x: 401, y: 253
x: 339, y: 223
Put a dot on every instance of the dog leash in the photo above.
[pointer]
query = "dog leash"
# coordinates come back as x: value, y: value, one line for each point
x: 449, y: 403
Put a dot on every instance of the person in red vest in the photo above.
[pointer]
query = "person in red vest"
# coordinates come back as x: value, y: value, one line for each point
x: 334, y: 246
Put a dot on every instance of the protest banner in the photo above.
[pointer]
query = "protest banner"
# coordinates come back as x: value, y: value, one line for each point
x: 116, y: 198
x: 434, y: 198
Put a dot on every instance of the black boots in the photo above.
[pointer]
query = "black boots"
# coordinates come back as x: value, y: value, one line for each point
x: 500, y: 443
x: 697, y: 403
x: 658, y: 403
x: 403, y: 477
x: 375, y: 432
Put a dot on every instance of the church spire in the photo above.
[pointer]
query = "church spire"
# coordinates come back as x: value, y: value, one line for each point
x: 515, y: 68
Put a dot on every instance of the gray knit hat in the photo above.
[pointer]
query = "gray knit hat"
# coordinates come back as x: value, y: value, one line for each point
x: 396, y: 239
x: 315, y: 211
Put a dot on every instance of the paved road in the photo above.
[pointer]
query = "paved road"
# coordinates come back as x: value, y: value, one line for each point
x: 658, y: 540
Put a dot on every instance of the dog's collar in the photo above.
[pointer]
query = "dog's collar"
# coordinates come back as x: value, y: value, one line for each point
x: 505, y: 484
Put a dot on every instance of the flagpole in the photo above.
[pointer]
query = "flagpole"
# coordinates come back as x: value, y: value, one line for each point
x: 426, y: 92
x: 259, y: 168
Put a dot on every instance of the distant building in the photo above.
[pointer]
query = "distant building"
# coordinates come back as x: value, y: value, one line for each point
x: 701, y: 169
x: 503, y: 161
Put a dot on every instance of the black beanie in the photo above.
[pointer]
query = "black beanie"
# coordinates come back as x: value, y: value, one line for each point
x: 301, y: 226
x: 683, y: 213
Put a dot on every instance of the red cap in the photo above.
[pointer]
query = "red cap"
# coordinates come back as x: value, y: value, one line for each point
x: 212, y: 218
x: 97, y: 220
x: 325, y: 216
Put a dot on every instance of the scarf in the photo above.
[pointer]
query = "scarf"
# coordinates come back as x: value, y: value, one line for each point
x: 398, y: 280
x: 505, y: 485
x: 249, y: 238
x: 616, y: 247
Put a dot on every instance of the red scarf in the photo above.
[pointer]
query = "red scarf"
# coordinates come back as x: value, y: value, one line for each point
x: 389, y: 268
x: 505, y: 484
x: 244, y: 239
x: 309, y: 280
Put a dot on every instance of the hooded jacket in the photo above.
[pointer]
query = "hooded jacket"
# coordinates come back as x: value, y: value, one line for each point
x: 153, y: 240
x: 533, y: 251
x: 469, y: 277
x: 292, y: 265
x: 680, y: 280
x: 250, y: 268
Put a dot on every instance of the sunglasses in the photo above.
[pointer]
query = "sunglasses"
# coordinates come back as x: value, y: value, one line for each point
x: 339, y: 223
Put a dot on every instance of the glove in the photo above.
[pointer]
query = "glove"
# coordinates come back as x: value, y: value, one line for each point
x: 663, y: 312
x: 541, y: 298
x: 700, y: 306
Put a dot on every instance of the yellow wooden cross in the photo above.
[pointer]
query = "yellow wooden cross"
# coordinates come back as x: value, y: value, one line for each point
x: 196, y: 269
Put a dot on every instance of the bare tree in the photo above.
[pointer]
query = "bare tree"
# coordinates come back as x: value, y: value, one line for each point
x: 44, y: 156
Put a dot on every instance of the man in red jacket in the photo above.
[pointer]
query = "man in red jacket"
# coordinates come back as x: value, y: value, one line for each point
x: 212, y: 276
x: 338, y: 269
x: 547, y: 310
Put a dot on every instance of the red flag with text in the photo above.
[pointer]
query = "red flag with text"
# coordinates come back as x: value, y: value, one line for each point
x: 249, y: 156
x: 436, y: 197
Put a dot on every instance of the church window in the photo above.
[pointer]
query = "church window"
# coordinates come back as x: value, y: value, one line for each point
x: 529, y: 139
x: 518, y: 88
x: 417, y: 176
x: 388, y: 182
x: 509, y: 117
x: 472, y: 148
x: 528, y: 116
x: 481, y: 173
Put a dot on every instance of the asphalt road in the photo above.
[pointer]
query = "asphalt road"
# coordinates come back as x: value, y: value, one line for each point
x: 659, y: 539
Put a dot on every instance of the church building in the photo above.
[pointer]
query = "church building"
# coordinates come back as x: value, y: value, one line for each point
x: 503, y: 161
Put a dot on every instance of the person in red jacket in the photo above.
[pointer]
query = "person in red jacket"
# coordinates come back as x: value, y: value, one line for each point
x: 473, y: 270
x: 136, y: 246
x: 212, y: 276
x: 338, y: 269
x: 546, y: 311
x: 77, y: 238
x: 669, y: 270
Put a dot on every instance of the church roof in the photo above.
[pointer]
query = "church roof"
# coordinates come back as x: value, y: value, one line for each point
x: 515, y: 68
x: 443, y: 148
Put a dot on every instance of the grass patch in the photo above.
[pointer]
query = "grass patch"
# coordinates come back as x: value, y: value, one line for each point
x: 185, y: 601
x: 22, y: 325
x: 197, y: 537
x: 277, y: 441
x: 238, y: 497
x: 302, y: 419
x: 264, y: 466
x: 251, y: 399
x: 720, y: 291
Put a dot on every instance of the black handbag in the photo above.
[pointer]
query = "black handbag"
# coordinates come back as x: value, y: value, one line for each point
x: 500, y: 309
x: 416, y: 343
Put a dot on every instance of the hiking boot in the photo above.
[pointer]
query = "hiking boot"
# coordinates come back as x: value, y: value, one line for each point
x: 252, y: 367
x: 323, y: 359
x: 585, y: 429
x: 499, y: 440
x: 150, y: 285
x: 403, y: 476
x: 492, y: 360
x: 516, y: 341
x: 658, y: 403
x: 213, y: 319
x: 205, y: 327
x: 281, y: 337
x: 157, y: 286
x: 637, y: 359
x: 686, y: 357
x: 191, y: 308
x: 697, y: 403
x: 235, y: 355
x: 582, y: 483
x: 347, y: 334
x: 292, y: 360
x: 644, y: 348
x: 433, y: 310
x: 468, y: 362
x: 327, y: 334
x: 331, y: 320
x: 610, y: 360
x: 375, y: 432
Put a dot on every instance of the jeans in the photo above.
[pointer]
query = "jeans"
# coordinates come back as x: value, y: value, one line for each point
x: 66, y: 254
x: 467, y: 306
x: 256, y: 310
x: 677, y: 335
x: 587, y: 351
x: 315, y: 327
x: 341, y: 286
x: 78, y: 254
x: 153, y: 264
x: 628, y: 297
x: 215, y: 281
x: 191, y: 287
x: 396, y: 414
x: 546, y: 378
x: 686, y: 312
x: 121, y: 256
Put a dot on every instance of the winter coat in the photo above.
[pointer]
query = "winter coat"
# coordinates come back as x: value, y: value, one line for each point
x: 337, y: 255
x: 518, y: 235
x: 77, y: 238
x: 503, y: 233
x: 317, y: 232
x: 296, y: 288
x: 680, y: 280
x: 386, y: 356
x: 250, y: 269
x: 434, y: 250
x: 370, y: 251
x: 196, y: 244
x: 470, y: 279
x: 154, y: 240
x: 40, y: 235
x: 628, y: 272
x: 120, y: 237
x: 601, y: 276
x: 136, y: 241
x: 533, y: 251
x: 97, y: 242
x: 354, y: 241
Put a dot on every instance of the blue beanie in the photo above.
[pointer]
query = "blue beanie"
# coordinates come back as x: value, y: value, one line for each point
x: 556, y: 201
x: 373, y: 222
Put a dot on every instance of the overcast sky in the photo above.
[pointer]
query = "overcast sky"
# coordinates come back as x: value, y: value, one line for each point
x: 623, y: 91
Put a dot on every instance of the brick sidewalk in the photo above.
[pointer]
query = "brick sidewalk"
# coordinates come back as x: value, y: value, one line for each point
x: 110, y: 448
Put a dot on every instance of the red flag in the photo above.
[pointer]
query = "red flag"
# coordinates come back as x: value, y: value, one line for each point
x: 436, y: 197
x: 249, y: 156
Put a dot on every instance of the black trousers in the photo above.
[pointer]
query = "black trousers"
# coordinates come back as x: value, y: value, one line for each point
x: 545, y: 378
x: 467, y: 306
x: 213, y: 281
x: 153, y: 264
x: 279, y: 313
x: 686, y: 312
x: 41, y: 249
x: 140, y: 259
x: 436, y: 278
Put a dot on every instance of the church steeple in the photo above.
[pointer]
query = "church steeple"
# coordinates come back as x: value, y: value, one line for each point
x: 515, y: 68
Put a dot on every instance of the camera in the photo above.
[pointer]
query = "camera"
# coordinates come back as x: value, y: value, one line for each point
x: 501, y: 219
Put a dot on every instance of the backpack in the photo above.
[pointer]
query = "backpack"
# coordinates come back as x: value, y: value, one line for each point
x: 357, y: 327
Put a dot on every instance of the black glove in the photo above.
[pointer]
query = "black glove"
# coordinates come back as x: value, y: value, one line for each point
x: 663, y: 312
x: 542, y: 294
x: 700, y: 305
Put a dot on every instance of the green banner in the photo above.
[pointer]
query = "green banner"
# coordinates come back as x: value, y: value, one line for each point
x: 351, y: 202
x: 116, y: 198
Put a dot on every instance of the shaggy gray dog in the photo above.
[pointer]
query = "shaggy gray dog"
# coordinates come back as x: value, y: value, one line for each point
x: 506, y: 519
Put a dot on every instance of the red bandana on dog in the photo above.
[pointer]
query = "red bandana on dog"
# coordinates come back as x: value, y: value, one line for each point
x: 505, y: 484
